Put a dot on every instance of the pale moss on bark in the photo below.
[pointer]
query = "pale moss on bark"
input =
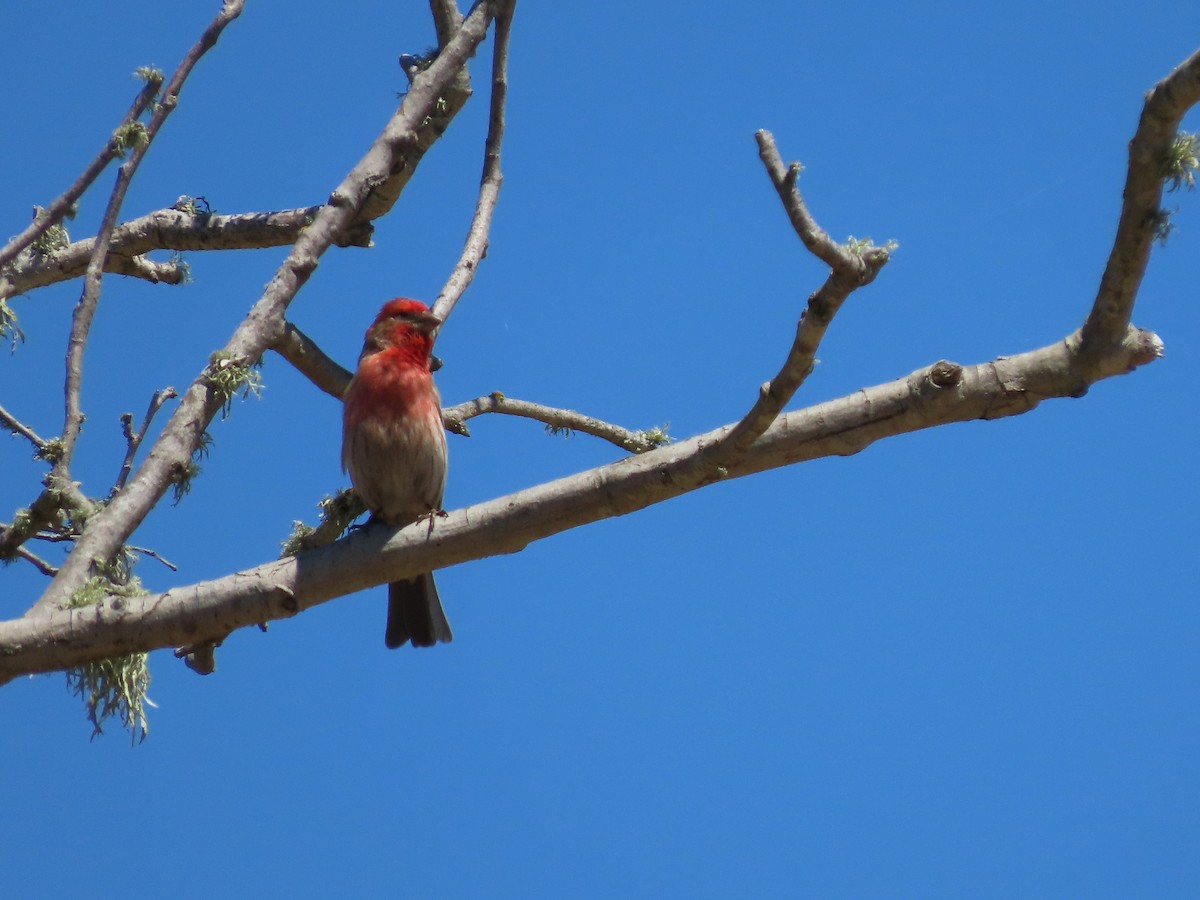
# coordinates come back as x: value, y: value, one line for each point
x: 112, y: 688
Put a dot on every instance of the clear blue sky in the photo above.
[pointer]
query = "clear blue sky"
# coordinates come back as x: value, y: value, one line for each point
x: 960, y: 664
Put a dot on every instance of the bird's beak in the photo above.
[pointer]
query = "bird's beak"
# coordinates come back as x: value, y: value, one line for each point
x: 427, y: 322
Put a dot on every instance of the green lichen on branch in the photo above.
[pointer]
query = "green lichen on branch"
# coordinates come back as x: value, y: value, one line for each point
x: 150, y: 74
x: 1183, y: 158
x: 52, y: 451
x: 9, y: 329
x: 51, y: 240
x: 337, y: 512
x: 24, y: 526
x: 228, y: 376
x: 655, y: 437
x: 863, y: 246
x: 47, y: 511
x: 130, y: 135
x: 183, y: 474
x: 112, y: 688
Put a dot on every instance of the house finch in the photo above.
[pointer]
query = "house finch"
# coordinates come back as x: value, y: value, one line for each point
x: 394, y: 447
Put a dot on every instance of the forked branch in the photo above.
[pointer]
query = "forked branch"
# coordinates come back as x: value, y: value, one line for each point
x: 1142, y: 218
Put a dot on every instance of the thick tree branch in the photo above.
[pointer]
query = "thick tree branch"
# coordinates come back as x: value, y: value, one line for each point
x: 476, y: 245
x: 1141, y: 214
x: 936, y: 395
x: 181, y: 437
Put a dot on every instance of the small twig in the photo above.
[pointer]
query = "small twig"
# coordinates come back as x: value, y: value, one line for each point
x: 133, y: 439
x: 16, y: 427
x: 153, y: 554
x: 53, y: 214
x: 555, y: 420
x: 54, y: 537
x: 786, y: 180
x: 310, y: 360
x: 169, y: 272
x: 38, y: 563
x: 476, y: 245
x: 201, y: 658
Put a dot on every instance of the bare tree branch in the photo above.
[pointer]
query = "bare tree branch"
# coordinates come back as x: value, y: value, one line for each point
x: 38, y: 563
x: 172, y: 229
x: 936, y: 395
x: 475, y: 248
x: 9, y: 421
x: 154, y: 554
x: 133, y: 439
x: 170, y: 272
x: 446, y: 20
x: 310, y: 360
x: 1141, y: 217
x: 556, y: 420
x: 181, y: 437
x: 113, y: 147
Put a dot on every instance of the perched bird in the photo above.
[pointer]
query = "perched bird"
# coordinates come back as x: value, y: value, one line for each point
x: 394, y: 447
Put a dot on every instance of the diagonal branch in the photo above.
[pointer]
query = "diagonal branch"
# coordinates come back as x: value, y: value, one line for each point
x: 932, y: 396
x: 476, y: 246
x: 1141, y: 214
